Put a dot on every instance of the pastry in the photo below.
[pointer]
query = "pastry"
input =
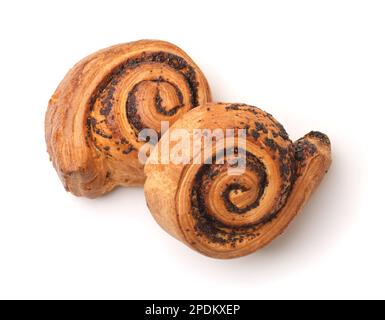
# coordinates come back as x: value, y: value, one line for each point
x: 224, y: 215
x: 97, y: 112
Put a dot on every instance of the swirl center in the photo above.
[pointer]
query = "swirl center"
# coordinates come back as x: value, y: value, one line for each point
x: 150, y: 99
x: 226, y: 207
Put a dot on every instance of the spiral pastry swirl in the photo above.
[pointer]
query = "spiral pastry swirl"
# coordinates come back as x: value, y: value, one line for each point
x: 95, y: 115
x: 223, y: 215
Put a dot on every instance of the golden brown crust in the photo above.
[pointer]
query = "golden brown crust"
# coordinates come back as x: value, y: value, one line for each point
x: 94, y: 117
x: 226, y: 216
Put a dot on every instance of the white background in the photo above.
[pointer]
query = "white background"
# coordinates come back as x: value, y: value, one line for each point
x: 312, y: 64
